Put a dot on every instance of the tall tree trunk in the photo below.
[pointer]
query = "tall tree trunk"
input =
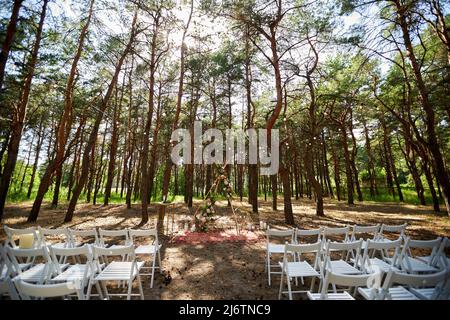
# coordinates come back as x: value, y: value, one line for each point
x: 154, y: 150
x: 93, y: 135
x: 348, y: 166
x: 27, y: 164
x: 99, y: 171
x: 113, y: 145
x: 63, y: 130
x: 148, y: 123
x: 252, y: 173
x: 20, y: 114
x: 325, y: 163
x: 36, y: 156
x: 429, y: 177
x: 370, y: 162
x: 9, y: 38
x: 3, y: 150
x: 432, y: 141
x: 168, y: 167
x: 72, y: 173
x: 353, y: 163
x: 314, y: 132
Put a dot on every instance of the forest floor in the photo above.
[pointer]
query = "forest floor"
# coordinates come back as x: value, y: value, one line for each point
x: 217, y: 265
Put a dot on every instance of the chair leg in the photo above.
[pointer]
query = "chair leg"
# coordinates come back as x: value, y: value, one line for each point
x: 140, y: 287
x: 281, y: 284
x: 153, y: 270
x: 289, y: 287
x: 159, y: 260
x: 99, y: 290
x: 313, y: 282
x: 130, y: 286
x: 268, y: 268
x: 88, y: 294
x: 105, y: 289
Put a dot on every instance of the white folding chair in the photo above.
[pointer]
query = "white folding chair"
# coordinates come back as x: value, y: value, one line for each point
x: 336, y: 279
x: 38, y: 272
x: 80, y: 272
x: 6, y: 285
x: 28, y: 290
x: 79, y: 237
x: 12, y: 235
x: 121, y: 271
x: 276, y: 248
x: 307, y: 235
x: 341, y: 266
x: 151, y: 249
x: 439, y: 259
x: 389, y: 250
x: 114, y: 236
x: 364, y: 232
x: 301, y: 268
x: 55, y: 237
x: 412, y: 286
x: 409, y: 262
x: 334, y: 233
x: 394, y: 230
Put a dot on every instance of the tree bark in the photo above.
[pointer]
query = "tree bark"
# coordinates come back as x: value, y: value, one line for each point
x: 113, y: 146
x: 20, y: 114
x: 9, y: 38
x: 36, y: 157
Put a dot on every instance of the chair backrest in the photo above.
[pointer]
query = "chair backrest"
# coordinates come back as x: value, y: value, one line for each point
x: 362, y: 230
x: 297, y: 250
x: 432, y: 245
x: 13, y: 234
x: 16, y: 254
x: 336, y: 279
x: 113, y: 234
x: 440, y: 257
x: 99, y: 251
x: 340, y: 231
x: 92, y: 233
x: 345, y: 247
x: 398, y: 229
x: 51, y: 234
x: 313, y: 234
x: 384, y: 245
x: 5, y: 264
x: 387, y: 248
x: 64, y: 253
x: 149, y: 233
x: 27, y: 290
x: 415, y: 280
x: 280, y: 234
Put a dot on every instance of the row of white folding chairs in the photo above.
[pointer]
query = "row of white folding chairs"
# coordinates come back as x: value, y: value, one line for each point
x: 95, y: 270
x: 296, y: 236
x: 348, y: 233
x: 396, y: 286
x: 392, y: 256
x: 44, y: 236
x: 294, y: 264
x: 99, y: 238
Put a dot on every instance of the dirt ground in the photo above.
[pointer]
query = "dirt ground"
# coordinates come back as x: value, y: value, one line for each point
x: 227, y: 269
